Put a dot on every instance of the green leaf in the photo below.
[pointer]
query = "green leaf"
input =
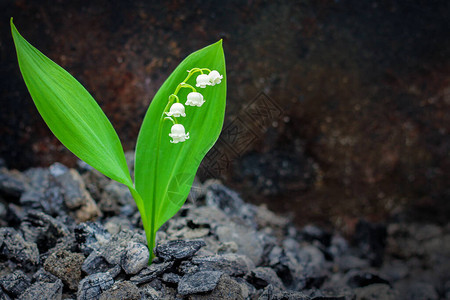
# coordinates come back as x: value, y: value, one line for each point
x: 164, y: 172
x: 70, y: 112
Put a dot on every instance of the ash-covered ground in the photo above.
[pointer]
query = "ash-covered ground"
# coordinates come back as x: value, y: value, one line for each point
x: 74, y: 234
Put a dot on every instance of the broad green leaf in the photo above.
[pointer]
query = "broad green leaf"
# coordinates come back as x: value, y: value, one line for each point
x: 164, y: 172
x: 70, y: 112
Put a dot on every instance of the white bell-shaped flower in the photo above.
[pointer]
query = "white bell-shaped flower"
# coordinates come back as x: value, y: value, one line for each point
x: 203, y: 80
x: 176, y: 110
x: 178, y: 134
x: 195, y: 99
x: 214, y: 77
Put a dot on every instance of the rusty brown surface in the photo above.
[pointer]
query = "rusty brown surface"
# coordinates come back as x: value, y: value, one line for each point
x: 364, y: 91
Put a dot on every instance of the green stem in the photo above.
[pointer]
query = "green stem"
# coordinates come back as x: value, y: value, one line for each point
x: 195, y: 70
x: 170, y: 118
x: 151, y: 232
x: 140, y: 204
x: 187, y: 85
x: 176, y: 97
x: 177, y: 89
x: 152, y: 242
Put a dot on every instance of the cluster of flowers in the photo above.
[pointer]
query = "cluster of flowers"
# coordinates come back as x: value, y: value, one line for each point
x: 177, y: 109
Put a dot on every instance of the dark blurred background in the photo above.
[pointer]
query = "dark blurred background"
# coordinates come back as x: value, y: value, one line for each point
x: 336, y: 109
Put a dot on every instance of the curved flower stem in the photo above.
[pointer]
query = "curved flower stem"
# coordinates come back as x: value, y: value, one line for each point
x: 187, y: 85
x: 176, y: 98
x: 169, y: 103
x: 183, y: 85
x: 170, y: 118
x: 179, y: 86
x: 195, y: 70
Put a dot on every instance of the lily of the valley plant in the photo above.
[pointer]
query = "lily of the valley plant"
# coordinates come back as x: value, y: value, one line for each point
x: 182, y: 123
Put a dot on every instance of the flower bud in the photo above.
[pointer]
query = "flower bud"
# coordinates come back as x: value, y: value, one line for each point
x: 214, y: 77
x: 176, y: 110
x: 203, y: 80
x: 195, y: 99
x: 178, y: 134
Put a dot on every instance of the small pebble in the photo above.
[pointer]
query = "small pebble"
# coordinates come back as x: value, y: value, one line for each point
x: 179, y: 249
x: 92, y: 286
x: 135, y: 258
x: 204, y: 281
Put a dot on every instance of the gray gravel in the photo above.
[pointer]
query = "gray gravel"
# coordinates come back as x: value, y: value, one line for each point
x: 178, y: 249
x: 43, y: 291
x: 134, y: 258
x: 69, y: 235
x: 15, y: 283
x: 92, y: 286
x: 199, y: 282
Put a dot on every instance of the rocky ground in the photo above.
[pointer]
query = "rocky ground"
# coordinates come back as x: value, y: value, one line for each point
x: 74, y: 234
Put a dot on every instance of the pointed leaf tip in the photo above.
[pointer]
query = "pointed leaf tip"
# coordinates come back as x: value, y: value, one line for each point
x: 163, y: 172
x: 70, y: 112
x: 11, y: 23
